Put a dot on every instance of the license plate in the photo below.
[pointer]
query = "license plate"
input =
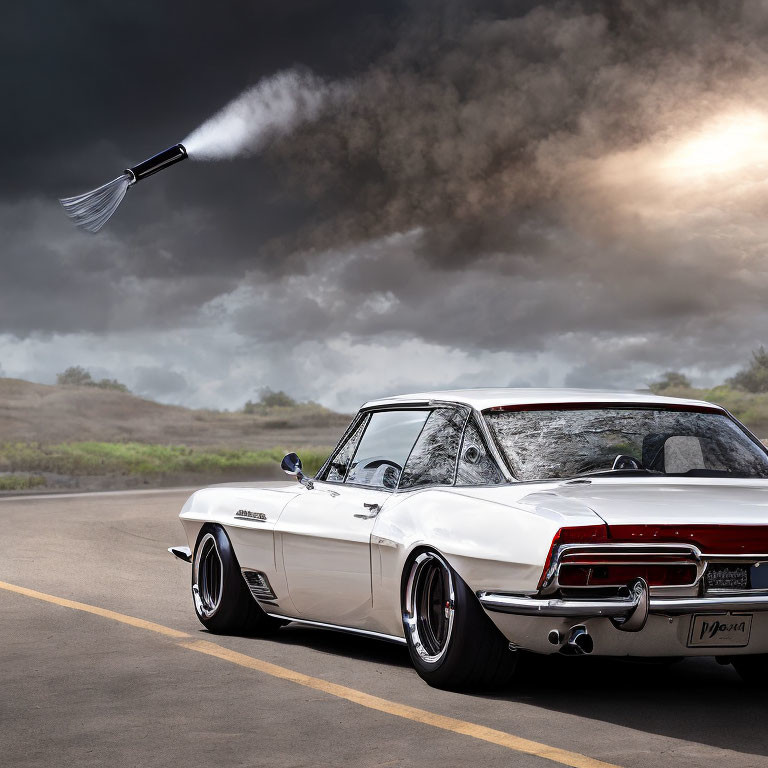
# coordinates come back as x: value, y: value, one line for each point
x: 720, y: 630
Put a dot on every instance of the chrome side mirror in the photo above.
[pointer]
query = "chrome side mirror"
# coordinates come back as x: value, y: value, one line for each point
x: 291, y: 465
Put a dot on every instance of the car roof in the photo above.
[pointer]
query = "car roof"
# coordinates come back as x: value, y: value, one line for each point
x: 485, y: 398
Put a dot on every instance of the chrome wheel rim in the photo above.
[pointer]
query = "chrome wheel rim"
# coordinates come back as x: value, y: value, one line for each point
x: 429, y: 606
x: 207, y: 577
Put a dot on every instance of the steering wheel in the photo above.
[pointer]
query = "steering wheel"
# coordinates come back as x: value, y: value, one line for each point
x: 384, y: 472
x: 379, y: 461
x: 623, y: 461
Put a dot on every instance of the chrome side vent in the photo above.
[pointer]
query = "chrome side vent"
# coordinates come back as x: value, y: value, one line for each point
x: 258, y: 584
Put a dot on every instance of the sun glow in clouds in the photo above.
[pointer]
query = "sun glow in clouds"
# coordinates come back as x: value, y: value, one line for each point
x: 720, y: 165
x: 726, y: 145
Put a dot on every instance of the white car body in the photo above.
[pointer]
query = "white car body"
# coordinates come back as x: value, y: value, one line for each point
x: 321, y: 557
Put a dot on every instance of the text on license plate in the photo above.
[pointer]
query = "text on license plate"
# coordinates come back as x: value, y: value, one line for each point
x: 720, y: 630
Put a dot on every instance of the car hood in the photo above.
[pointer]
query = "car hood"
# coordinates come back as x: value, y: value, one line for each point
x: 648, y: 501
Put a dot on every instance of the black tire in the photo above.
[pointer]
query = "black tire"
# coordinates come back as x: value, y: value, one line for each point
x: 452, y: 643
x: 219, y: 593
x: 753, y: 669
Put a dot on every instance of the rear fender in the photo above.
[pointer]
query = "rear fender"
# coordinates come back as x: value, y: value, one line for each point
x: 492, y: 546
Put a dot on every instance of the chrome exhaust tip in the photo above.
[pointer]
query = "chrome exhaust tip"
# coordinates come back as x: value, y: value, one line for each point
x: 579, y: 643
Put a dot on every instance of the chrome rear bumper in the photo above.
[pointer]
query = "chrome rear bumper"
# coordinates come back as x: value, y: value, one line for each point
x: 618, y: 607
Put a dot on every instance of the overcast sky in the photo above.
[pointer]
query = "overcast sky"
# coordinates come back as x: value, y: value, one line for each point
x: 508, y: 193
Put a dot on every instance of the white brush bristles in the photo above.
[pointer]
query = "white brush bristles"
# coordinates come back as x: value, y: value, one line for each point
x: 93, y: 209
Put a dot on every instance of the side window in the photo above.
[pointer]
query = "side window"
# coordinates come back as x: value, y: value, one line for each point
x: 384, y: 447
x: 433, y: 459
x: 476, y: 467
x: 337, y: 469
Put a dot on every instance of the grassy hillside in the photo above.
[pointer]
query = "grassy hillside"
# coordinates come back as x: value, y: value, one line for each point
x: 37, y: 413
x: 84, y: 459
x: 90, y: 438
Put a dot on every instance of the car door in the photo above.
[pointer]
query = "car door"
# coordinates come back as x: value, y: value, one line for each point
x: 325, y: 532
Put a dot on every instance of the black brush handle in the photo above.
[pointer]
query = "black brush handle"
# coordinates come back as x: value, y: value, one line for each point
x: 157, y: 162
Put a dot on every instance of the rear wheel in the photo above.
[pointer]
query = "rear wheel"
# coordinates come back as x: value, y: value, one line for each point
x: 452, y: 643
x: 222, y: 600
x: 753, y: 669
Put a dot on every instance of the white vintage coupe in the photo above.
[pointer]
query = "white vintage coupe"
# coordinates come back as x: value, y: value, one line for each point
x: 477, y: 525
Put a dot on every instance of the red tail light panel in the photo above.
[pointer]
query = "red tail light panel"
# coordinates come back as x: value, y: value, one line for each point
x: 605, y: 574
x: 710, y: 539
x: 658, y: 569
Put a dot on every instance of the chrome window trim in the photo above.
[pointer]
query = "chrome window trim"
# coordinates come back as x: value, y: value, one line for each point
x: 419, y: 405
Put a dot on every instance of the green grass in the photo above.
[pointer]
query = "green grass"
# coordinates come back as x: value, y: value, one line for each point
x: 20, y: 482
x: 93, y: 458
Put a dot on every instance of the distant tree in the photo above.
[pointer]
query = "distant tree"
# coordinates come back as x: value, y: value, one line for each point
x: 250, y: 407
x: 753, y: 378
x: 669, y: 380
x: 77, y: 376
x: 270, y: 399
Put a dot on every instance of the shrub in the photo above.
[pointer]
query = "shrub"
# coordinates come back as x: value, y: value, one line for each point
x: 753, y: 378
x: 670, y: 380
x: 77, y: 376
x: 20, y: 482
x: 279, y: 399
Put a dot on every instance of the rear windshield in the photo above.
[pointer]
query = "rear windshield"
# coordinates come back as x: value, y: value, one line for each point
x: 565, y: 443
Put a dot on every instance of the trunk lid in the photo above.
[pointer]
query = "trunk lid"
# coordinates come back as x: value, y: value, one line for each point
x: 717, y: 515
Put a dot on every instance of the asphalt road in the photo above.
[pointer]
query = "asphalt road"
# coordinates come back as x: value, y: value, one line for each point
x: 88, y: 689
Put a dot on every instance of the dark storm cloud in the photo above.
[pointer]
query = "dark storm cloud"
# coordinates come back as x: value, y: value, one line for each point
x: 490, y: 180
x: 159, y: 382
x: 473, y: 132
x: 108, y: 81
x: 487, y: 132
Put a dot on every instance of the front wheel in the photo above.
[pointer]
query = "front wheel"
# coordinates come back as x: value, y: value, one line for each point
x: 222, y: 600
x: 753, y: 669
x: 452, y: 643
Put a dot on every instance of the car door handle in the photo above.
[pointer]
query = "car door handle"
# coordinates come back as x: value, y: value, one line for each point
x: 373, y: 510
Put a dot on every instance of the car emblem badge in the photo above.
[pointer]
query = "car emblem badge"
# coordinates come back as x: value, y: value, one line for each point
x: 248, y: 515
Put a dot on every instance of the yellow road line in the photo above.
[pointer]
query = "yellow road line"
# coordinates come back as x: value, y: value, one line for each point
x: 481, y: 732
x: 474, y: 730
x: 107, y: 614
